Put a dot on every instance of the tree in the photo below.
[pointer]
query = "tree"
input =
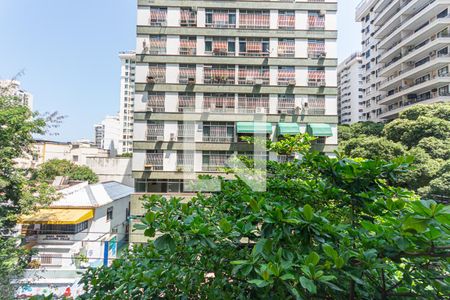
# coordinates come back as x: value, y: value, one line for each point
x: 18, y: 194
x: 61, y: 167
x: 347, y: 132
x: 422, y: 131
x: 326, y: 228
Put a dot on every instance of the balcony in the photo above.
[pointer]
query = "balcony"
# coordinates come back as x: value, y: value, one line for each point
x: 415, y: 69
x: 154, y: 161
x: 188, y: 18
x: 316, y: 22
x: 185, y: 161
x: 155, y: 132
x: 188, y: 46
x: 286, y: 105
x: 316, y: 78
x: 286, y: 48
x: 186, y: 131
x: 156, y: 74
x: 253, y: 75
x: 315, y: 106
x: 156, y: 102
x: 254, y: 47
x: 158, y: 17
x: 286, y: 20
x: 254, y: 19
x: 187, y: 74
x: 222, y: 103
x: 217, y: 132
x: 316, y: 49
x: 251, y: 104
x: 286, y: 76
x: 186, y: 102
x: 220, y: 18
x: 219, y: 75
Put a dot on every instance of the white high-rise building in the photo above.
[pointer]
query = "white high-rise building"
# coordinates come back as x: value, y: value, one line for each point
x: 107, y: 134
x: 12, y: 87
x: 127, y: 87
x: 211, y: 72
x: 405, y: 55
x: 350, y: 95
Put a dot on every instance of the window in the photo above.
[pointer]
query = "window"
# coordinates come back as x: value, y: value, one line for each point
x: 63, y: 229
x: 109, y: 214
x: 75, y: 158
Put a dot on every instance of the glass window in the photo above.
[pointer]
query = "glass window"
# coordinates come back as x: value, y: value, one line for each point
x: 109, y: 214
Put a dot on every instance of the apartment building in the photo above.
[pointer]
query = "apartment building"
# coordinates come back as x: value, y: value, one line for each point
x: 405, y: 55
x: 108, y: 133
x: 12, y: 88
x: 350, y: 95
x: 210, y: 72
x: 127, y: 85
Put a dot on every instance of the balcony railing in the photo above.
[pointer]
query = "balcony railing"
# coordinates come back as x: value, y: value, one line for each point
x: 219, y: 76
x: 185, y: 161
x: 156, y: 103
x: 286, y: 21
x: 255, y: 20
x: 286, y: 77
x: 188, y: 18
x: 188, y: 47
x: 254, y: 76
x: 186, y: 103
x: 215, y: 103
x: 187, y: 75
x: 315, y: 106
x: 186, y: 132
x: 154, y: 161
x: 158, y: 17
x: 286, y: 105
x: 155, y: 132
x: 286, y: 48
x: 253, y: 104
x: 156, y: 74
x: 316, y: 78
x: 220, y: 19
x: 316, y: 23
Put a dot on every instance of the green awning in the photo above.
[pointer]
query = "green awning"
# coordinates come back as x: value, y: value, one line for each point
x: 288, y: 129
x: 319, y: 130
x: 253, y: 127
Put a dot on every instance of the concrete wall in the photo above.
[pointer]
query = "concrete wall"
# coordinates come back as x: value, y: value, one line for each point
x: 112, y: 169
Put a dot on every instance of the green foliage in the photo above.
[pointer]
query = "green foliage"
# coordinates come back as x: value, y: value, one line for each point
x: 18, y: 194
x: 422, y: 131
x: 128, y: 154
x: 326, y: 228
x: 61, y: 167
x: 347, y: 132
x: 372, y: 148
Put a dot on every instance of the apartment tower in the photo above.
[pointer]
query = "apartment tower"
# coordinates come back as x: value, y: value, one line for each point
x: 127, y: 85
x: 405, y: 55
x: 210, y: 72
x: 350, y: 95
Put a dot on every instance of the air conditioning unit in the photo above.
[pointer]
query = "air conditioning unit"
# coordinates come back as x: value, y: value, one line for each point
x: 160, y: 138
x: 258, y: 81
x: 322, y: 13
x: 291, y: 82
x: 172, y: 137
x: 260, y: 110
x: 191, y: 80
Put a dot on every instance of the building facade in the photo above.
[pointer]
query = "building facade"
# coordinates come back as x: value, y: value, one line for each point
x: 83, y: 229
x: 210, y: 72
x: 12, y: 87
x: 108, y: 133
x: 350, y: 94
x: 127, y: 87
x: 405, y: 55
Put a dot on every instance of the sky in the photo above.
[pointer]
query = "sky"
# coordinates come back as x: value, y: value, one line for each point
x: 68, y: 53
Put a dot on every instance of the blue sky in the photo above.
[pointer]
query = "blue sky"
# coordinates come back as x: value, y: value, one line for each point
x: 68, y: 51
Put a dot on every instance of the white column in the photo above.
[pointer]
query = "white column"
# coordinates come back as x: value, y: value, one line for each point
x: 138, y: 162
x: 198, y: 135
x: 273, y: 75
x: 199, y: 76
x: 170, y: 128
x: 172, y: 73
x: 301, y: 48
x: 330, y: 20
x: 143, y: 16
x: 171, y: 102
x: 273, y: 46
x: 273, y: 19
x: 273, y: 104
x: 331, y: 76
x: 333, y: 140
x: 140, y: 101
x: 331, y: 48
x: 199, y: 102
x: 331, y: 105
x: 301, y: 20
x: 170, y: 160
x: 198, y: 161
x: 200, y: 45
x: 201, y: 17
x: 173, y: 16
x: 301, y: 76
x: 173, y: 44
x: 300, y: 100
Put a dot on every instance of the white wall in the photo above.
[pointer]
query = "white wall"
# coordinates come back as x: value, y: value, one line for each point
x: 112, y: 169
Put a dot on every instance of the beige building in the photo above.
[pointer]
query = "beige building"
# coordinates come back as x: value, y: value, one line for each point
x: 211, y: 72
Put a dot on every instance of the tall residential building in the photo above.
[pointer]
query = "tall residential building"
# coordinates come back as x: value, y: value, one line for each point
x: 405, y: 54
x: 12, y: 87
x: 108, y: 133
x: 127, y: 86
x: 350, y: 95
x: 211, y: 72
